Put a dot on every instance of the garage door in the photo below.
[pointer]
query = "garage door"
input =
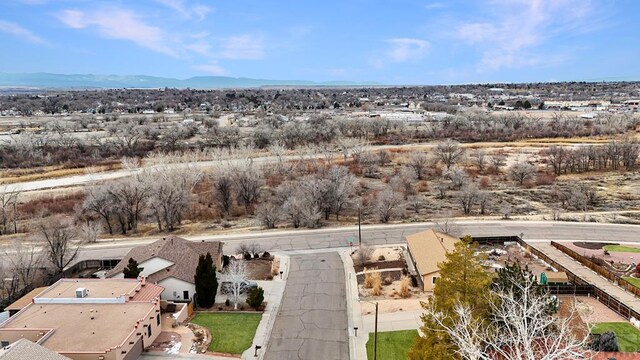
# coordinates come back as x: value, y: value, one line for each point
x: 135, y: 352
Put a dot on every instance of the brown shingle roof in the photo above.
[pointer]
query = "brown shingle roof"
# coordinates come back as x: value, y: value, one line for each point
x: 25, y: 349
x: 429, y: 248
x: 181, y: 252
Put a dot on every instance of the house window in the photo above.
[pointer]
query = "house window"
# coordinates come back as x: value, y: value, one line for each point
x: 4, y: 343
x: 158, y: 319
x: 434, y: 279
x: 185, y: 294
x: 149, y: 330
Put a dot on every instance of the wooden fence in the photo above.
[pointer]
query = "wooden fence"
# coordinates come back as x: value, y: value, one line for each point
x: 601, y: 270
x: 582, y: 287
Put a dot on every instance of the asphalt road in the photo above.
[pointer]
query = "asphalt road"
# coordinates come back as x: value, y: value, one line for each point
x: 387, y: 234
x: 312, y: 321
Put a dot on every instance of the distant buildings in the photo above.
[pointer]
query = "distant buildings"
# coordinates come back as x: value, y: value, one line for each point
x: 102, y: 319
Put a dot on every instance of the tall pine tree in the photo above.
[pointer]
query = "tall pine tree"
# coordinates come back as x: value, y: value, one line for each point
x: 462, y: 280
x: 206, y: 281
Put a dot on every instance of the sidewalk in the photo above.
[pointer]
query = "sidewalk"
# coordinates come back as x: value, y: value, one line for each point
x: 588, y: 275
x: 391, y: 321
x: 274, y: 289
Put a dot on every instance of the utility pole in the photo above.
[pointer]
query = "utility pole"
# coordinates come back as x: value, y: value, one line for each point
x: 359, y: 230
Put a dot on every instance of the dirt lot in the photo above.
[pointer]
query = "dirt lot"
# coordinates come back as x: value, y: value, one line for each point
x: 501, y: 255
x: 259, y: 269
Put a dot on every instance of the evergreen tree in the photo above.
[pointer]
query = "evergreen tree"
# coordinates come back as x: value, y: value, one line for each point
x: 206, y: 281
x: 462, y: 280
x: 132, y: 271
x: 527, y: 104
x: 255, y: 297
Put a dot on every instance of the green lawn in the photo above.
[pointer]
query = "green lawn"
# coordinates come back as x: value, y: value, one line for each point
x: 231, y: 333
x: 634, y: 281
x: 392, y: 345
x: 628, y: 335
x: 621, y: 248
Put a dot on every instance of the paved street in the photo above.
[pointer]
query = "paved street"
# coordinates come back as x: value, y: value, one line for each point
x: 312, y: 321
x: 386, y: 234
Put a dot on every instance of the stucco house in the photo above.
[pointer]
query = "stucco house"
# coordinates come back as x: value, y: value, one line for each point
x: 171, y: 263
x: 426, y: 250
x: 82, y: 319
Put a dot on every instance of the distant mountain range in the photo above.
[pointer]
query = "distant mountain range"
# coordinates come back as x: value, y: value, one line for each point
x: 62, y: 81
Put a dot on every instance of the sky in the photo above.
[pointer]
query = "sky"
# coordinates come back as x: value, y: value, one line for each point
x: 385, y: 41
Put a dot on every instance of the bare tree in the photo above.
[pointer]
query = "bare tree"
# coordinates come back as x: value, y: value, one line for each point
x: 418, y: 161
x: 24, y: 260
x: 340, y: 188
x: 498, y: 161
x: 89, y: 231
x: 467, y: 198
x: 442, y: 188
x: 248, y: 182
x: 236, y: 276
x: 130, y: 198
x: 458, y: 177
x: 100, y: 201
x: 522, y: 172
x: 387, y: 204
x: 383, y: 157
x: 57, y: 237
x: 449, y: 152
x: 416, y: 202
x: 447, y: 224
x: 269, y: 214
x: 479, y: 157
x: 484, y: 201
x: 8, y: 209
x: 170, y: 192
x: 526, y: 330
x: 223, y: 193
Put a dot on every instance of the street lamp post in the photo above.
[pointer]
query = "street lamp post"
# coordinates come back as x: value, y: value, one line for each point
x: 359, y: 230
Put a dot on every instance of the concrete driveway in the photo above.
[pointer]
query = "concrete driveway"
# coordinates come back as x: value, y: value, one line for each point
x: 312, y: 321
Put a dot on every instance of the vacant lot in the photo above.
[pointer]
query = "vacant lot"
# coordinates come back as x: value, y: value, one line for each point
x: 230, y: 333
x: 392, y: 345
x: 628, y: 336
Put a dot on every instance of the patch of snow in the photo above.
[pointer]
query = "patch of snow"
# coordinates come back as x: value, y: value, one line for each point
x: 174, y: 348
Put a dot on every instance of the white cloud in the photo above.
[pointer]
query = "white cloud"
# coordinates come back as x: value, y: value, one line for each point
x: 516, y: 30
x: 405, y: 49
x: 243, y: 47
x: 187, y: 11
x: 213, y: 69
x: 20, y: 32
x: 121, y: 24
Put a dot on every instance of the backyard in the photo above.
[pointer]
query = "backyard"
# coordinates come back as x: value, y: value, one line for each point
x: 628, y: 336
x: 230, y: 333
x: 621, y: 248
x: 392, y: 345
x: 633, y: 281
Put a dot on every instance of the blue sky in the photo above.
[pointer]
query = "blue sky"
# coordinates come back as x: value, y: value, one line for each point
x: 386, y: 41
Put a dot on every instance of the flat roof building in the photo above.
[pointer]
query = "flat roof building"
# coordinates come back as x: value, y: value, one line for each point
x: 101, y: 319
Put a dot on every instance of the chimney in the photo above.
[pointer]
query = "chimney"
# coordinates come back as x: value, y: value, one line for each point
x: 143, y: 280
x: 91, y: 312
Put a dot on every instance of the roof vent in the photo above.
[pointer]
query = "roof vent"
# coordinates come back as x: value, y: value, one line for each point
x: 81, y: 292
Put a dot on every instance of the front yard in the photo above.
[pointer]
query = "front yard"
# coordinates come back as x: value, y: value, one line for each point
x: 628, y: 336
x: 621, y: 248
x: 633, y: 281
x: 230, y: 333
x: 392, y: 345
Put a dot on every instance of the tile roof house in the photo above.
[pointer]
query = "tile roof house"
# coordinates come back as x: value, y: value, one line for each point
x: 171, y: 262
x: 25, y: 349
x: 102, y: 319
x: 426, y: 250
